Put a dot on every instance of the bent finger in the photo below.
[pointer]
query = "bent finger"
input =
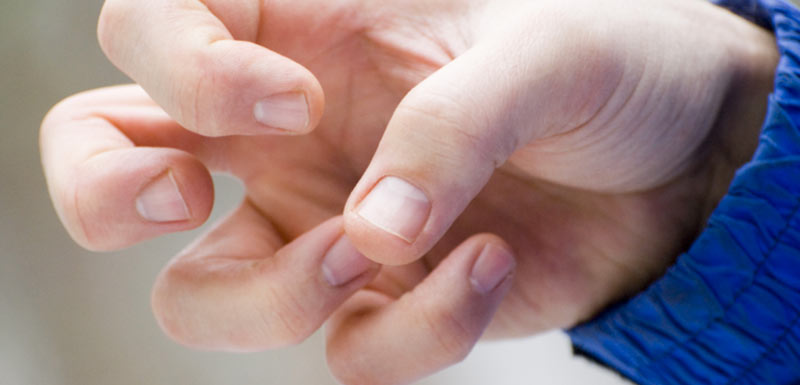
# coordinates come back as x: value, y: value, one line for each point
x: 374, y: 340
x: 191, y: 63
x: 239, y: 289
x: 109, y: 193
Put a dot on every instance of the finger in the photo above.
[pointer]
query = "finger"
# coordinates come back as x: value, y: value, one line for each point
x: 192, y: 66
x: 108, y: 192
x: 373, y: 340
x: 452, y: 131
x: 238, y: 289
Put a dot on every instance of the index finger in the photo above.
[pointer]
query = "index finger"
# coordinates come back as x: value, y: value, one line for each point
x: 120, y: 171
x: 208, y: 76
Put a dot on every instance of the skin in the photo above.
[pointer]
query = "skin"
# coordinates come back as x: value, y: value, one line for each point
x: 593, y: 155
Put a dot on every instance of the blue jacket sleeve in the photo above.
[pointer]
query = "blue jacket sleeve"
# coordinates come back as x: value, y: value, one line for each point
x: 728, y: 311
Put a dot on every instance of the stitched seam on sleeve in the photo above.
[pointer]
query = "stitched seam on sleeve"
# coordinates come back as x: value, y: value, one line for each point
x: 772, y: 347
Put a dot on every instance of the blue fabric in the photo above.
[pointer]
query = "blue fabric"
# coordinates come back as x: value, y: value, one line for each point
x: 728, y: 311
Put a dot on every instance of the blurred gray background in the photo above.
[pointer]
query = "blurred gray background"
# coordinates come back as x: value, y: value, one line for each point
x: 68, y: 316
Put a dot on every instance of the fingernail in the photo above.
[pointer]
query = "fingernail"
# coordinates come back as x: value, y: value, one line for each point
x: 343, y: 263
x: 287, y: 111
x: 396, y: 207
x: 493, y: 265
x: 161, y: 201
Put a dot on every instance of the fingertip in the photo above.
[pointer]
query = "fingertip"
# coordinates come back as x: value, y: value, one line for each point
x: 378, y: 245
x: 130, y: 195
x: 478, y: 269
x: 433, y: 326
x: 493, y: 267
x: 388, y: 220
x: 234, y: 87
x: 292, y: 101
x: 343, y: 264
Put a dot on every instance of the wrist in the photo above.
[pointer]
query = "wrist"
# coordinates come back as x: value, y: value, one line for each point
x: 727, y: 310
x: 752, y: 59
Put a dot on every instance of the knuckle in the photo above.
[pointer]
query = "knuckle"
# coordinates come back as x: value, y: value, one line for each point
x: 198, y: 100
x: 73, y: 107
x: 112, y: 17
x: 349, y: 355
x: 354, y: 368
x: 206, y: 304
x: 342, y: 366
x: 605, y: 64
x: 284, y: 321
x: 451, y: 337
x: 68, y: 198
x: 436, y: 108
x: 167, y: 309
x: 599, y: 58
x: 81, y: 215
x: 455, y: 128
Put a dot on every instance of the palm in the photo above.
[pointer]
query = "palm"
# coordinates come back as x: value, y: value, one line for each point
x: 579, y: 247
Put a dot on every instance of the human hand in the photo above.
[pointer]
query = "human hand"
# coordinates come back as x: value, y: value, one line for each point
x: 613, y: 151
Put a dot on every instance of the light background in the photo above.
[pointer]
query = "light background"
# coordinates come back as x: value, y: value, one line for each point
x: 68, y: 316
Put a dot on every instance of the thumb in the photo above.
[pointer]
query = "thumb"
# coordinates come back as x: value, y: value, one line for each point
x: 452, y: 131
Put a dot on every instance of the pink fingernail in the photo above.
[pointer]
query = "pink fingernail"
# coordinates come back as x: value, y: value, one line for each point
x: 493, y: 265
x: 343, y: 263
x: 287, y: 111
x: 161, y: 201
x: 396, y: 207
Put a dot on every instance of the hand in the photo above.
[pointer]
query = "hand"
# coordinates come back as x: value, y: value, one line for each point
x: 574, y: 131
